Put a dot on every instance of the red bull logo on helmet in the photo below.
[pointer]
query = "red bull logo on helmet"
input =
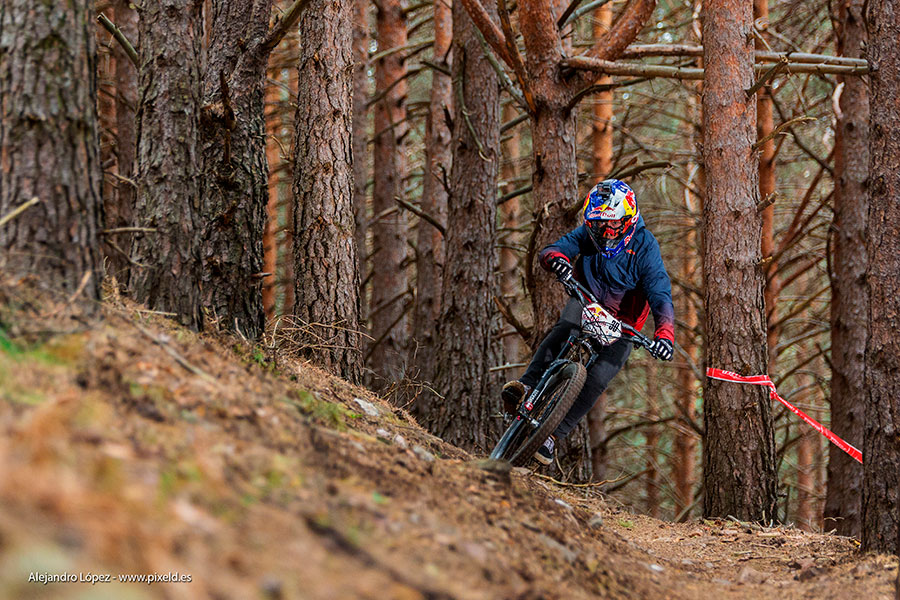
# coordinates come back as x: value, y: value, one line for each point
x: 610, y: 200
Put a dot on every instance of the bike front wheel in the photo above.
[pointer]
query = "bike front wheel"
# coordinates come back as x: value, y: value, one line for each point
x: 551, y: 404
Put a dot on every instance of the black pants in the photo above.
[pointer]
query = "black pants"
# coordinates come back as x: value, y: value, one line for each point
x: 609, y: 362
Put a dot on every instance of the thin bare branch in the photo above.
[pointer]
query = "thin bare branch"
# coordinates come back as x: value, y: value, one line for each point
x: 19, y: 210
x: 772, y: 72
x: 606, y: 67
x: 523, y: 331
x: 119, y: 37
x: 514, y: 194
x: 647, y: 50
x: 422, y: 215
x: 564, y: 17
x: 517, y: 64
x: 492, y: 34
x: 778, y: 130
x: 656, y: 164
x: 624, y: 30
x: 282, y: 27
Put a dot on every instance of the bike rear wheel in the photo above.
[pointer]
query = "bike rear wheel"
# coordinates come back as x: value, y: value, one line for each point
x: 552, y: 403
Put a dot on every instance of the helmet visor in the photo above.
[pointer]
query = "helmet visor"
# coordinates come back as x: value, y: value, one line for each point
x: 608, y: 234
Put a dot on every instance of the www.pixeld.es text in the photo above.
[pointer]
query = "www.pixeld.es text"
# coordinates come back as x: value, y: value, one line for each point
x: 96, y: 578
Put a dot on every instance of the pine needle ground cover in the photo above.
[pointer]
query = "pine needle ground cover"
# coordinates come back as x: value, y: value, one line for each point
x: 132, y: 446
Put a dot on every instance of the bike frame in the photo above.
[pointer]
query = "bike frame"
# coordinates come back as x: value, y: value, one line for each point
x: 536, y: 399
x: 580, y: 339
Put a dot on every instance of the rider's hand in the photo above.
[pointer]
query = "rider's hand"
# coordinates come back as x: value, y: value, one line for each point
x: 561, y: 266
x: 662, y: 348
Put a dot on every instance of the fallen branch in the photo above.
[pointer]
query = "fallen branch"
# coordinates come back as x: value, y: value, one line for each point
x: 171, y: 352
x: 608, y: 67
x: 577, y: 485
x: 83, y: 284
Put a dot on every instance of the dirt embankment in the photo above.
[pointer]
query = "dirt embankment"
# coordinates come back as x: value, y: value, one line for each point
x: 132, y: 447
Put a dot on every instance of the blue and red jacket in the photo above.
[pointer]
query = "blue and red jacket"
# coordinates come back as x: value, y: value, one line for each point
x: 630, y: 285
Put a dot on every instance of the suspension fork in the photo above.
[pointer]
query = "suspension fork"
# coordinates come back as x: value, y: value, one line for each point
x: 562, y: 359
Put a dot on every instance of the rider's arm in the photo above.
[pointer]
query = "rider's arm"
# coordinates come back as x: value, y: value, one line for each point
x: 658, y: 288
x: 569, y: 246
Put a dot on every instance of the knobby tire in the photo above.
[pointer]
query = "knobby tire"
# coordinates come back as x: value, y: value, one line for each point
x: 550, y: 407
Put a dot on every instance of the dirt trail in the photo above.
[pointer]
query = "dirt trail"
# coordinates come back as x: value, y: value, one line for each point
x: 130, y: 446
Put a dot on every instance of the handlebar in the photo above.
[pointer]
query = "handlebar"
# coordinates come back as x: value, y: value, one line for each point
x: 583, y: 295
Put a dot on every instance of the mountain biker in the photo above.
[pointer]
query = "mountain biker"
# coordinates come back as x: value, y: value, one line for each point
x: 619, y: 261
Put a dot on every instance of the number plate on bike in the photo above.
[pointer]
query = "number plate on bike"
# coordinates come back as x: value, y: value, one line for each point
x: 601, y: 325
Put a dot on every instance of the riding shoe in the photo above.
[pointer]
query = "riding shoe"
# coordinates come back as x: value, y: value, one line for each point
x: 544, y: 454
x: 512, y: 394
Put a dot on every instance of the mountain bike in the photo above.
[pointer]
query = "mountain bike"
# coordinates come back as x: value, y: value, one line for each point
x: 538, y: 415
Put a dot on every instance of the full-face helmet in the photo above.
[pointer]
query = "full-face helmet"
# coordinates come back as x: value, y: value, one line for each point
x: 610, y: 215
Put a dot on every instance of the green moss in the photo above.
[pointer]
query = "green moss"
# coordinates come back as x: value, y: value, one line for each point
x: 256, y: 355
x: 327, y: 413
x: 7, y: 346
x: 57, y: 351
x: 21, y: 397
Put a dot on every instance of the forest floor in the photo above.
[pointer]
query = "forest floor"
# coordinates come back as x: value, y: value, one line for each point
x: 130, y: 446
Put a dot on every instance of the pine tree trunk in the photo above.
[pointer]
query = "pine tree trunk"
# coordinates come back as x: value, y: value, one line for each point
x: 652, y: 439
x: 554, y: 180
x: 765, y: 123
x: 602, y: 138
x: 270, y: 243
x: 849, y: 296
x: 466, y: 329
x: 685, y: 443
x: 168, y: 198
x: 881, y: 448
x: 235, y: 172
x: 287, y: 244
x: 514, y: 347
x: 739, y: 454
x: 325, y: 263
x: 120, y: 212
x: 115, y: 262
x: 49, y: 150
x: 596, y: 424
x: 361, y: 141
x: 805, y: 516
x: 438, y: 155
x: 602, y: 155
x: 390, y: 294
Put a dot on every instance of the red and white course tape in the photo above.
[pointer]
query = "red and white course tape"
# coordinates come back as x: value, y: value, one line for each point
x: 773, y: 393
